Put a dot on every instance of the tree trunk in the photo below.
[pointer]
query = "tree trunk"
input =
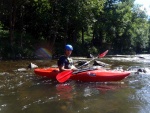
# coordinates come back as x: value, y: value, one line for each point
x: 12, y: 23
x: 82, y: 36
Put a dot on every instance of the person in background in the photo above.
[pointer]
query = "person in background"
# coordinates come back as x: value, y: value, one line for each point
x: 65, y: 62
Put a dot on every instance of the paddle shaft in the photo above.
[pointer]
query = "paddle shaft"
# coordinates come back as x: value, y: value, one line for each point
x: 87, y: 62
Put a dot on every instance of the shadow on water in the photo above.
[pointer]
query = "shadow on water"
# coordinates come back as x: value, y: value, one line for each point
x: 23, y: 91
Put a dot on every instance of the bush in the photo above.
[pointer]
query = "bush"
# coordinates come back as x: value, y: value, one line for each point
x: 92, y: 50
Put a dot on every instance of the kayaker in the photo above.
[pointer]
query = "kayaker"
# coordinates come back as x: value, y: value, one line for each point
x: 65, y: 62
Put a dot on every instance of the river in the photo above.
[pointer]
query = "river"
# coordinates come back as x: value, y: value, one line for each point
x: 25, y: 92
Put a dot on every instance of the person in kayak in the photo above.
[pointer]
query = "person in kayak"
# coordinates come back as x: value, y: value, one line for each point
x: 65, y: 62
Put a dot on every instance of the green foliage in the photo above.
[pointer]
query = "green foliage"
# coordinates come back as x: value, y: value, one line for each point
x: 93, y: 50
x: 90, y: 25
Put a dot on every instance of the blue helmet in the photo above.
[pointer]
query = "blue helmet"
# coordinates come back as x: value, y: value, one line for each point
x: 69, y: 47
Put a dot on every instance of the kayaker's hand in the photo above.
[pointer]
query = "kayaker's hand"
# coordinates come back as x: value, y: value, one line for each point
x: 74, y: 68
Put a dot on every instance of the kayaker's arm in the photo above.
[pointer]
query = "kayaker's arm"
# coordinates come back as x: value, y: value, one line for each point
x: 62, y: 68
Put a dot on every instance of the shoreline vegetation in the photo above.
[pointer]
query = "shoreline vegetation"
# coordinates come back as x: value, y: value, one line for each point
x: 37, y: 29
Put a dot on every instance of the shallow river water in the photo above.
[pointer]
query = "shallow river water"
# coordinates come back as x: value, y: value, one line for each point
x: 25, y: 92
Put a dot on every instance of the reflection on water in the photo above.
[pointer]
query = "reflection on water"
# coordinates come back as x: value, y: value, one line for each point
x: 23, y: 91
x: 65, y: 91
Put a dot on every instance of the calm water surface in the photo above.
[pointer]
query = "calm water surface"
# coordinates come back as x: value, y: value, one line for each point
x: 24, y: 92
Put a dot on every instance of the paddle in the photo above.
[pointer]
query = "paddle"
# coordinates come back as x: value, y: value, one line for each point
x: 65, y: 75
x: 99, y: 56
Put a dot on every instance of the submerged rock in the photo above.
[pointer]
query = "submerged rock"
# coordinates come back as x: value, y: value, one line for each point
x: 80, y: 63
x: 138, y: 69
x: 99, y: 63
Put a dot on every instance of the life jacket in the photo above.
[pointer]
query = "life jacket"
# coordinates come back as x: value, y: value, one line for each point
x: 67, y: 62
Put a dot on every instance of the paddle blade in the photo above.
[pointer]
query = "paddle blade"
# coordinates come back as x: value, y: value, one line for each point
x: 64, y: 76
x: 103, y: 54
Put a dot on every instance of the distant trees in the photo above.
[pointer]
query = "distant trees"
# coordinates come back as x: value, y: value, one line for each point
x: 118, y: 25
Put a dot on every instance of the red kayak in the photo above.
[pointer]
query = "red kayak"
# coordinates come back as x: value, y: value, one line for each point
x: 98, y: 75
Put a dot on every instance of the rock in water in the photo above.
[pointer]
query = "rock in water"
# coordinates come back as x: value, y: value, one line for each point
x: 32, y: 66
x: 99, y: 63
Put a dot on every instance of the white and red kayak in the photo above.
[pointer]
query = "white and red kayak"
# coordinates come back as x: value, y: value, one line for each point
x: 95, y: 75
